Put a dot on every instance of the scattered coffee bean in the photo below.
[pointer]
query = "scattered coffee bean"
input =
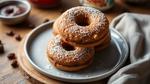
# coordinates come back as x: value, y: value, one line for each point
x: 0, y: 42
x: 1, y: 47
x: 11, y: 33
x: 18, y: 38
x: 11, y: 56
x: 46, y: 20
x: 14, y: 64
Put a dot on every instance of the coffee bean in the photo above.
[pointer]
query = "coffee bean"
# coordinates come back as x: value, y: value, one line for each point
x: 1, y: 49
x: 11, y: 56
x: 18, y: 38
x: 14, y: 64
x: 0, y: 42
x: 11, y: 33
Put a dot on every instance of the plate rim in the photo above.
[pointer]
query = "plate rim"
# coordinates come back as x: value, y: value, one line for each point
x: 87, y: 79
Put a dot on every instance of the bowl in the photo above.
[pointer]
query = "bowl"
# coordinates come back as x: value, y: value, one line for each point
x: 14, y: 11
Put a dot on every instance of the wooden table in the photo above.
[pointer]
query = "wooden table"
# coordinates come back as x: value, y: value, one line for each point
x: 9, y: 75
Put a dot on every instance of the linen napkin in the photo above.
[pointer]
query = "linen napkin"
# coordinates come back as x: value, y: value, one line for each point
x: 136, y: 29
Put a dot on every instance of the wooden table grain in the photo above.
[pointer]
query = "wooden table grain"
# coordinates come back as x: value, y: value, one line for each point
x: 9, y: 75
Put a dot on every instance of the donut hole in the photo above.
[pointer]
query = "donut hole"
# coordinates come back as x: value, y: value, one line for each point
x: 82, y: 20
x: 67, y: 46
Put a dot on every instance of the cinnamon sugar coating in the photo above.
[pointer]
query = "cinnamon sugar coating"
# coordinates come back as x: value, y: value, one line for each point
x: 75, y: 57
x: 81, y: 25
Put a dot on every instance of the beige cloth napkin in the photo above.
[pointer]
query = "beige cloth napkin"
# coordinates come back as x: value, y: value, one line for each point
x: 136, y: 29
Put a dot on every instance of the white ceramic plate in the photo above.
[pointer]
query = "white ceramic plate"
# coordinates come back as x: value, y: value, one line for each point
x: 105, y: 62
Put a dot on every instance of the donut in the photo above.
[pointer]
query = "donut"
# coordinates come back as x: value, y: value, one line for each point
x: 55, y: 31
x: 103, y: 45
x: 67, y: 57
x: 106, y: 42
x: 82, y: 26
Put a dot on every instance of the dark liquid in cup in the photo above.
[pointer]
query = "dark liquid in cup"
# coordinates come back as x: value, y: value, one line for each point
x: 12, y: 10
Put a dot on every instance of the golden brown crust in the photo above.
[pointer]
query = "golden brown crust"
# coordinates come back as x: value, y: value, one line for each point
x: 69, y: 29
x: 55, y: 31
x: 76, y: 57
x: 70, y: 68
x: 105, y: 37
x: 104, y: 44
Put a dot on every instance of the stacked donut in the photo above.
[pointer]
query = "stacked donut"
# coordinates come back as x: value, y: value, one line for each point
x: 79, y: 32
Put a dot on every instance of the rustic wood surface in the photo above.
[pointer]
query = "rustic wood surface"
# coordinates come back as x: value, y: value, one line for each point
x: 27, y: 67
x: 9, y: 75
